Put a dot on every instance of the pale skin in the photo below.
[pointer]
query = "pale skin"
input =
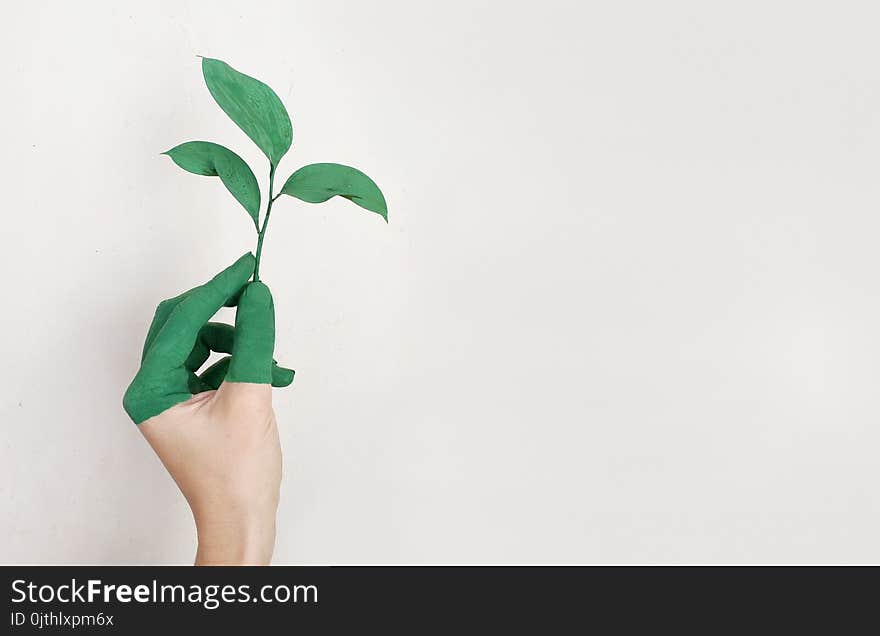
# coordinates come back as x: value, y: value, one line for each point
x: 222, y: 449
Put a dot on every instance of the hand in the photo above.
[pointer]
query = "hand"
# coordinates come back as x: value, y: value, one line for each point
x: 216, y: 432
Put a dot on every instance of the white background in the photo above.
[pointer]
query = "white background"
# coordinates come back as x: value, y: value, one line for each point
x: 625, y: 310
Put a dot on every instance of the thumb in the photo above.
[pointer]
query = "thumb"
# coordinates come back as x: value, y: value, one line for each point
x: 254, y: 337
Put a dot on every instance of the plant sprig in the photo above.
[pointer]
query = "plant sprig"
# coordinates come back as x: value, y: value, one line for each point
x: 257, y: 110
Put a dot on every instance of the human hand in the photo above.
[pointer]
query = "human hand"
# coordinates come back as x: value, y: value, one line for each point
x: 216, y: 432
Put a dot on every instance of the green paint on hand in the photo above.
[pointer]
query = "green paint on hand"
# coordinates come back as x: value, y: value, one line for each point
x: 180, y: 340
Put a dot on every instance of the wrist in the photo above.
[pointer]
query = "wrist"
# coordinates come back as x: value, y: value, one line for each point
x: 248, y: 540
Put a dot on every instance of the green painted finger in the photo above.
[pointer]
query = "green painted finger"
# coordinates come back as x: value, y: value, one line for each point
x: 196, y: 385
x: 176, y: 339
x: 164, y: 310
x: 212, y: 377
x: 282, y: 376
x: 233, y: 301
x: 220, y: 337
x: 254, y: 337
x: 215, y: 336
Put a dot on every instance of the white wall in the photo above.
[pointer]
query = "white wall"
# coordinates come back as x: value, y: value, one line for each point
x: 626, y: 308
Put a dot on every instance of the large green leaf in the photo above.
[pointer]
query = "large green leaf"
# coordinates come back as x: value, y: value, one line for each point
x: 213, y: 160
x: 252, y: 105
x: 318, y: 182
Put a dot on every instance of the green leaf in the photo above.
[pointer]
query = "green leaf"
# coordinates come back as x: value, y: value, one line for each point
x: 253, y: 106
x: 318, y: 182
x: 213, y: 160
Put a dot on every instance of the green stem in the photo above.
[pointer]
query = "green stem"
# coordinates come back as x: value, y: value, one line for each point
x: 262, y: 232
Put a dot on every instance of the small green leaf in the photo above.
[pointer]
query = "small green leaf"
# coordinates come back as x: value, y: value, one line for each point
x: 253, y: 106
x: 318, y: 182
x: 213, y: 160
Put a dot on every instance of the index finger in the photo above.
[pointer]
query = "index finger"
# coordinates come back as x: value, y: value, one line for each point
x: 175, y: 340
